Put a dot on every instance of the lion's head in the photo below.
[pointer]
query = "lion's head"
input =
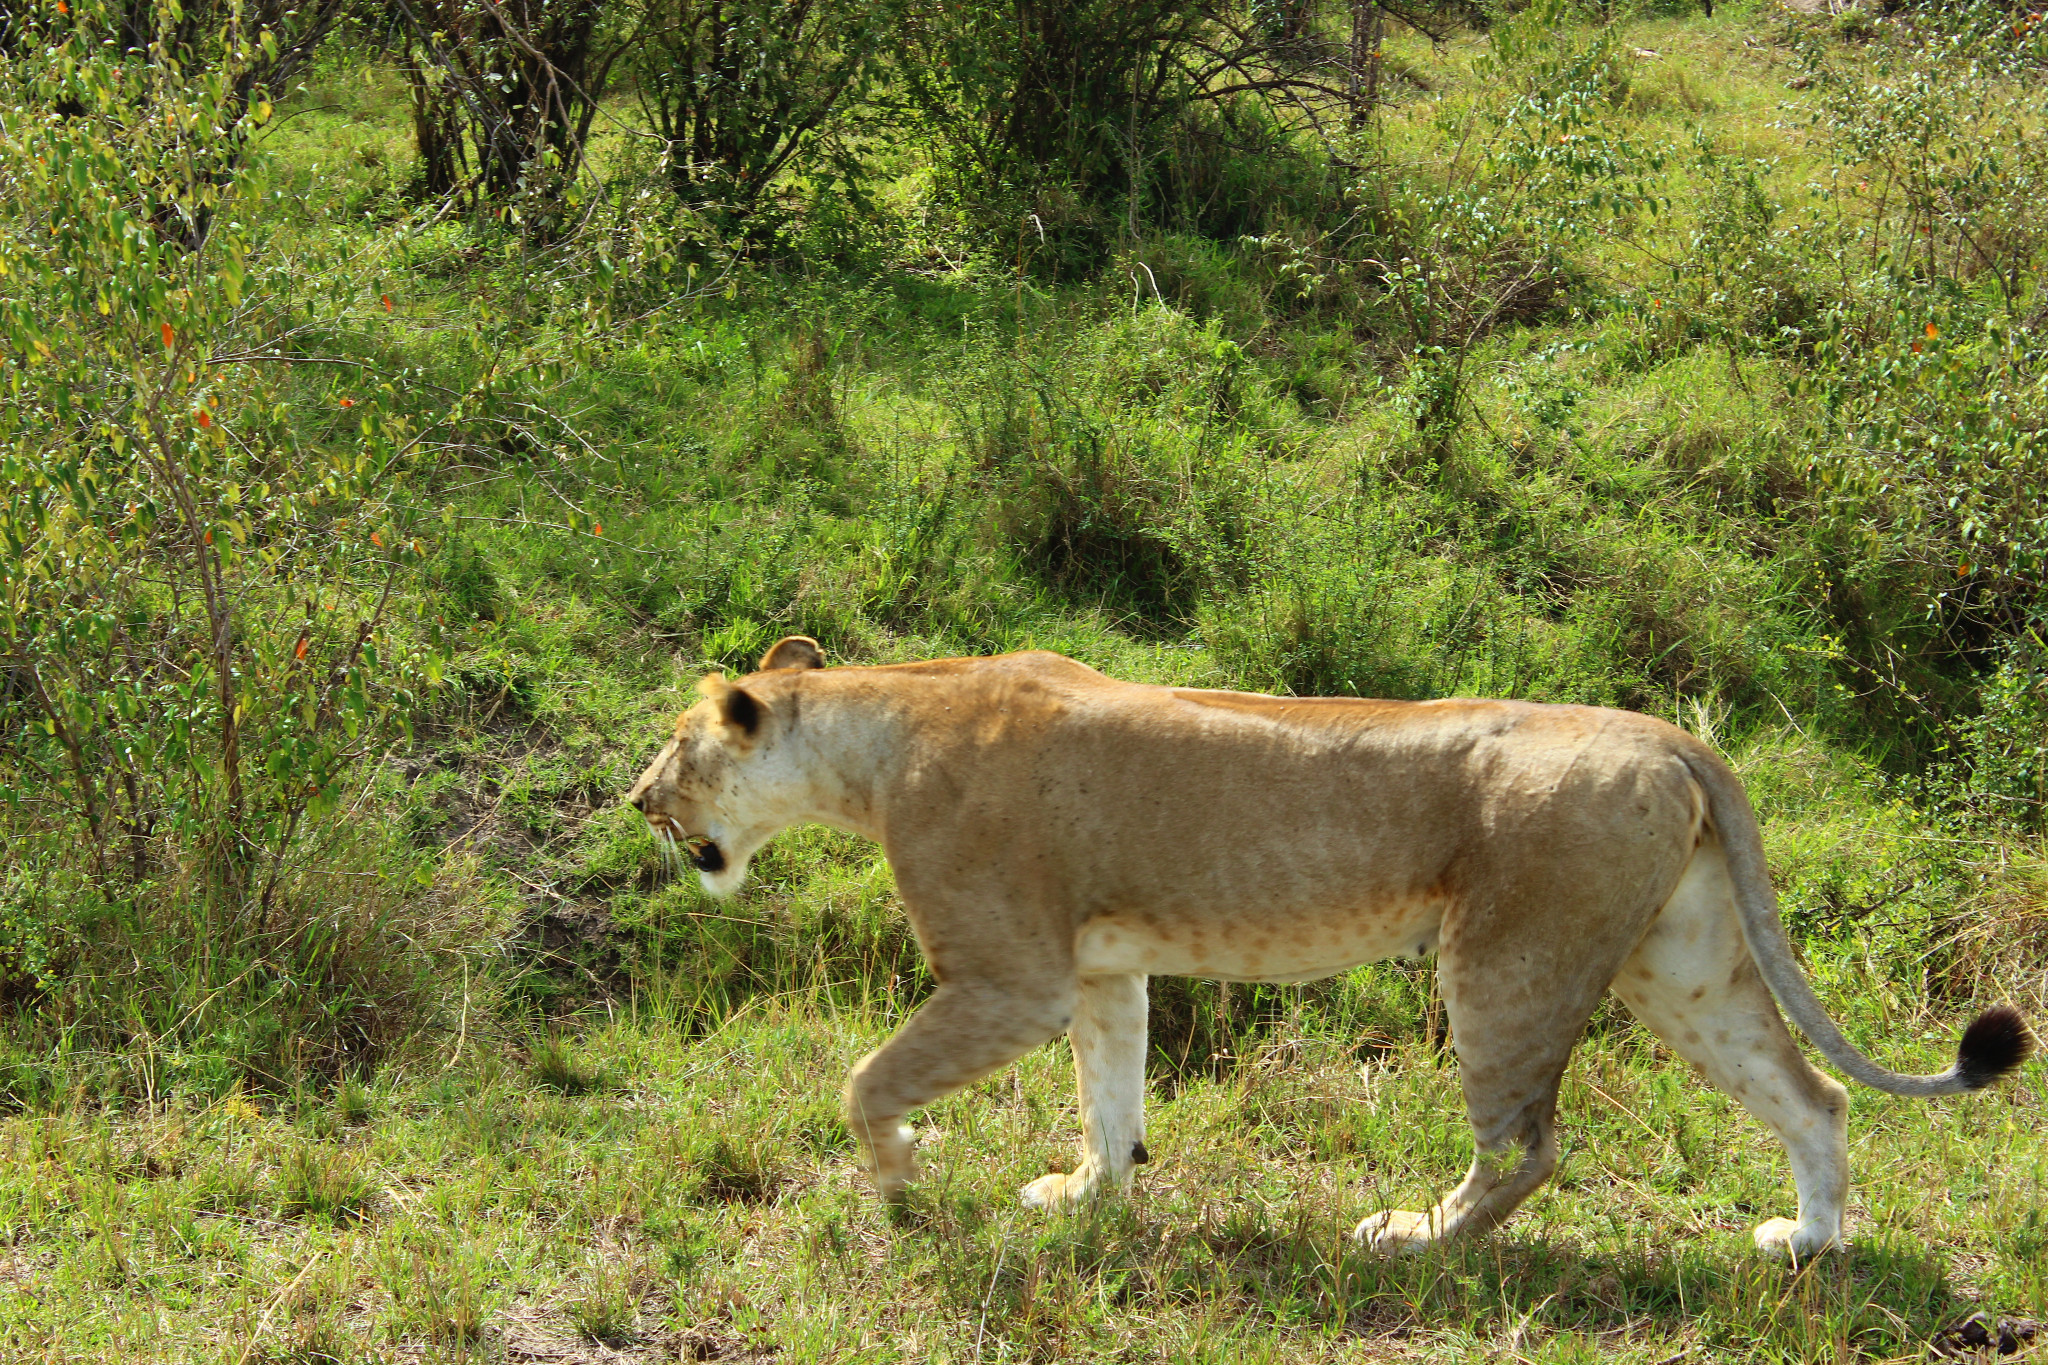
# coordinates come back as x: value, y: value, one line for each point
x: 714, y: 790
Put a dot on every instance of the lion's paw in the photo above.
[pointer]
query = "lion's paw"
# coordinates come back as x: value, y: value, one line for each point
x: 893, y: 1163
x: 1057, y: 1191
x: 1395, y: 1232
x: 1783, y: 1237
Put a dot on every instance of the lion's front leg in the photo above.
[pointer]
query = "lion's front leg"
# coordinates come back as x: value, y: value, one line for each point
x: 1108, y: 1038
x: 967, y: 1029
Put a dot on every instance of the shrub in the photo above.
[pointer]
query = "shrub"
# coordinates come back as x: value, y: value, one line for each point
x: 194, y: 602
x: 1925, y: 372
x: 1118, y: 478
x: 209, y: 528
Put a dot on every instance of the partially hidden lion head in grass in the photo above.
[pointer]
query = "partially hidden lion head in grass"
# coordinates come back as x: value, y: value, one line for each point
x: 1057, y: 837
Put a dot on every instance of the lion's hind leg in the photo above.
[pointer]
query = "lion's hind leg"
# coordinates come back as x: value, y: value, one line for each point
x: 1693, y: 981
x: 1108, y: 1037
x: 1518, y: 986
x: 1516, y: 1138
x: 1509, y: 1067
x: 1511, y: 1163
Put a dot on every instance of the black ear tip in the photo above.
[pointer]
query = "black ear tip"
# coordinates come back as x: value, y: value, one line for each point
x: 741, y: 709
x: 1994, y: 1045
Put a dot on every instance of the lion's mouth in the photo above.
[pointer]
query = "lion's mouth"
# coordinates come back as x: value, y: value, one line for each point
x: 676, y: 842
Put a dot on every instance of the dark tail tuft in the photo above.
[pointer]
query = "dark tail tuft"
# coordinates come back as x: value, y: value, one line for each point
x: 1994, y: 1044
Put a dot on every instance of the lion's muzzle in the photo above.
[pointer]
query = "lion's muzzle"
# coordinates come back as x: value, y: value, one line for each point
x: 705, y: 854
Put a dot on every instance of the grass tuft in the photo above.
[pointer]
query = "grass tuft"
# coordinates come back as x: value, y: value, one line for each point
x: 324, y: 1183
x: 553, y: 1065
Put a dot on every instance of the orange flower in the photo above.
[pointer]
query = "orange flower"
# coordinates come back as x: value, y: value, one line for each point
x: 387, y: 302
x: 596, y: 529
x: 376, y: 540
x: 1932, y: 331
x: 204, y: 420
x: 300, y: 652
x: 170, y: 337
x: 348, y: 402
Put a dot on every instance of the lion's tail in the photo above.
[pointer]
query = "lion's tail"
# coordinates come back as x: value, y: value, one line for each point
x: 1995, y: 1043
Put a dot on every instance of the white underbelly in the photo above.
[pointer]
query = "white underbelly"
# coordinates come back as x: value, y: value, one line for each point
x: 1301, y: 947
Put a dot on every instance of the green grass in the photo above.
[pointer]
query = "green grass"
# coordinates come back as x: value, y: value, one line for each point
x: 533, y: 1099
x: 709, y: 1198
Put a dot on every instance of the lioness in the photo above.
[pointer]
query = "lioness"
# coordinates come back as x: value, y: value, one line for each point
x: 1058, y: 837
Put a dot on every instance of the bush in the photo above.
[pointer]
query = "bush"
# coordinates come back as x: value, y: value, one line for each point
x: 1119, y: 477
x: 194, y: 606
x: 210, y: 526
x: 1926, y: 364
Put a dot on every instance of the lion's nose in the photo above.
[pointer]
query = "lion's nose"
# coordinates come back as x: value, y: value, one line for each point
x: 638, y: 800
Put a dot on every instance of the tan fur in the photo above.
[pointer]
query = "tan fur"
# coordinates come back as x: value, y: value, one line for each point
x: 1057, y: 837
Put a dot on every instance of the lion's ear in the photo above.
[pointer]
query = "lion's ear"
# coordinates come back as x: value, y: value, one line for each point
x: 737, y: 707
x: 795, y: 652
x: 740, y: 709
